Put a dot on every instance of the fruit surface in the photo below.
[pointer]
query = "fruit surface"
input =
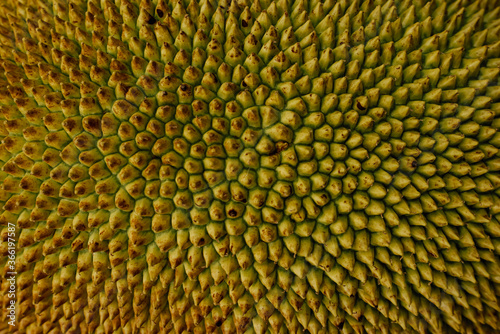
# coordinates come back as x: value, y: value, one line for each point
x: 250, y: 166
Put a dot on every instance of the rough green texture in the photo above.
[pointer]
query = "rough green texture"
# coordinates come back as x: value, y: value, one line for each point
x: 251, y: 167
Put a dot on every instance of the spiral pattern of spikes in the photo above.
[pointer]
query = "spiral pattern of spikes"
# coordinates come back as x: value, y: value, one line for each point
x: 251, y: 166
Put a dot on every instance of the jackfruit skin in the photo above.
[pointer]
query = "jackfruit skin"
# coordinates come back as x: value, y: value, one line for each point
x: 251, y: 167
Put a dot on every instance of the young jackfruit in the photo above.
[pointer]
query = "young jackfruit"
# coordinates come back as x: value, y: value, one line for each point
x: 311, y: 166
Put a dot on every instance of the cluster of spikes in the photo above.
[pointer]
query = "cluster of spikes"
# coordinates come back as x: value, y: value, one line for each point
x: 251, y: 167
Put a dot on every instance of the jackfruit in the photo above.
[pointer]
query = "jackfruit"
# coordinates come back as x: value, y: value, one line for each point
x: 251, y: 166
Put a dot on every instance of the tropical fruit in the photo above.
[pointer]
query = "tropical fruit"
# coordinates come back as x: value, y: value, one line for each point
x: 250, y: 166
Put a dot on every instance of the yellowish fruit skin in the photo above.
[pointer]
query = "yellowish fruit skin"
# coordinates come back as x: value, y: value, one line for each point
x: 249, y: 166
